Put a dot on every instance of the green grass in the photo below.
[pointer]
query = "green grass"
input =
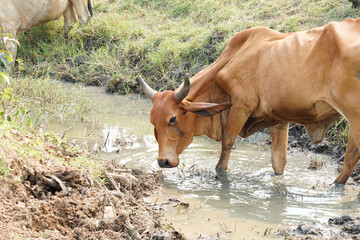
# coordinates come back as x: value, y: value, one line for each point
x: 20, y: 143
x: 4, y: 168
x: 160, y: 39
x: 47, y: 98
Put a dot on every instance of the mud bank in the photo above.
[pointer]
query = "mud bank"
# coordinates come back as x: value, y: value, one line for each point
x: 51, y: 189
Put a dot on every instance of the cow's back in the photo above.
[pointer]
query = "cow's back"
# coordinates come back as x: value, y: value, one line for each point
x: 24, y: 15
x: 298, y: 76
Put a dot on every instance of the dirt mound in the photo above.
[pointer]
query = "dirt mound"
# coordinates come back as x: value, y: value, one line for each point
x: 47, y: 198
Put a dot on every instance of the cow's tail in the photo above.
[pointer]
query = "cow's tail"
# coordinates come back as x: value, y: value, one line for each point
x: 90, y: 7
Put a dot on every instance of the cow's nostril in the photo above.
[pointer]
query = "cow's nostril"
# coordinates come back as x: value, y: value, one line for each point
x: 163, y: 163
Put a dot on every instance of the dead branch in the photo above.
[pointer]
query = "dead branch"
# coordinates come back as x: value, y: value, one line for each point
x: 126, y: 179
x: 64, y: 132
x: 112, y: 181
x: 90, y: 180
x: 117, y: 194
x: 122, y: 170
x: 62, y: 185
x: 107, y: 137
x: 132, y: 229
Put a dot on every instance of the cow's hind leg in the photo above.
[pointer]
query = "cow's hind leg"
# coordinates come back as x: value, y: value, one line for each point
x: 279, y: 143
x: 351, y: 158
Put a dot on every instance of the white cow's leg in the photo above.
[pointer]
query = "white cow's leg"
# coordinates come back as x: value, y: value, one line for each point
x: 235, y: 123
x: 279, y: 143
x: 69, y: 17
x: 82, y: 11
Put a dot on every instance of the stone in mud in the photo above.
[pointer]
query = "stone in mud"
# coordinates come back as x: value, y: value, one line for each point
x: 109, y: 214
x: 161, y: 236
x: 340, y: 220
x: 307, y: 230
x: 352, y: 228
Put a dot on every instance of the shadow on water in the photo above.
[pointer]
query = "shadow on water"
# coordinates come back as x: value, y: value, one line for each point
x: 249, y: 190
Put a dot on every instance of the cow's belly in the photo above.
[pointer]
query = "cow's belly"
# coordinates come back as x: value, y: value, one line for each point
x: 286, y: 110
x: 36, y: 12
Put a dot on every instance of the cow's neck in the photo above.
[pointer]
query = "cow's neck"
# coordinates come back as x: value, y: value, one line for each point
x: 205, y: 89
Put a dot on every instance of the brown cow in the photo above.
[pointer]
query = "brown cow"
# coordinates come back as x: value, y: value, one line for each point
x: 270, y: 78
x: 17, y: 16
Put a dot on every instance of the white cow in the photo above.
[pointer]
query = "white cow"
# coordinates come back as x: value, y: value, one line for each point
x: 17, y: 16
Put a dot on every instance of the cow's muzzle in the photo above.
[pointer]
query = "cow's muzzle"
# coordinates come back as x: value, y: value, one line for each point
x: 163, y: 163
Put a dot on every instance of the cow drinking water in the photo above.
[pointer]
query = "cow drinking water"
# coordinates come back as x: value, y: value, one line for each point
x: 265, y: 79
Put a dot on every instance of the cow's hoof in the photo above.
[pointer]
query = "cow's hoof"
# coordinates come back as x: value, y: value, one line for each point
x: 221, y: 174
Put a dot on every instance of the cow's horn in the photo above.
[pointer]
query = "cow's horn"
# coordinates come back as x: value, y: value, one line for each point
x: 181, y: 93
x: 149, y: 92
x: 90, y: 7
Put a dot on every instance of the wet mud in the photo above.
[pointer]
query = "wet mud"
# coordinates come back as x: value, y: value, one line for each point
x: 48, y: 198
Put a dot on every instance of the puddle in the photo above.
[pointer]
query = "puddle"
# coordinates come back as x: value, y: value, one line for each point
x: 202, y: 219
x: 250, y: 196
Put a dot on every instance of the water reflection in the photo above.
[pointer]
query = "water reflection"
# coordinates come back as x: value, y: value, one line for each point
x: 249, y: 190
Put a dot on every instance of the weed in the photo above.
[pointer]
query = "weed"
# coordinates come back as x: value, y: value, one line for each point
x: 339, y: 131
x: 315, y: 164
x: 4, y: 168
x: 90, y: 164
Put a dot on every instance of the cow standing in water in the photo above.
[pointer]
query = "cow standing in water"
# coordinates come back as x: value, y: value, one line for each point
x: 264, y: 78
x: 17, y: 16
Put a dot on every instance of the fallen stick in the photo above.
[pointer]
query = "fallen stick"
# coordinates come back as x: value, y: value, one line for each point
x: 106, y: 139
x: 64, y: 132
x: 117, y: 194
x: 125, y: 178
x: 122, y: 170
x: 112, y: 181
x: 62, y: 185
x: 132, y: 229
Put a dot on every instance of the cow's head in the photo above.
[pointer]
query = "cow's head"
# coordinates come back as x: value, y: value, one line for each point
x: 174, y: 118
x: 83, y: 9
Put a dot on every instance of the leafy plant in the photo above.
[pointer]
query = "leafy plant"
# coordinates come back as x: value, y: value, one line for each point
x: 4, y: 169
x: 9, y: 105
x: 5, y: 56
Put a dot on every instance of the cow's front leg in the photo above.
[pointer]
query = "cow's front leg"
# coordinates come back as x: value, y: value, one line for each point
x: 69, y: 17
x: 235, y: 123
x: 279, y: 143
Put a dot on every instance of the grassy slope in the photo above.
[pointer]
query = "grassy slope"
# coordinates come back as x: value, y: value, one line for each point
x: 160, y: 39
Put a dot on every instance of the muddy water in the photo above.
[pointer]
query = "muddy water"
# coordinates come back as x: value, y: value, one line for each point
x: 249, y: 200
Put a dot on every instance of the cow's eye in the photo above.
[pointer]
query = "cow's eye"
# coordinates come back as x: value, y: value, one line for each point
x: 172, y: 121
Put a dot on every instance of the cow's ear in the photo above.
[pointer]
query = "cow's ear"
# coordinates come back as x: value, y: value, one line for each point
x: 203, y: 108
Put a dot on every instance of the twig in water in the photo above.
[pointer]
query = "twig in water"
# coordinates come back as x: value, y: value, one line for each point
x: 206, y: 200
x: 224, y: 228
x: 106, y: 139
x: 64, y: 132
